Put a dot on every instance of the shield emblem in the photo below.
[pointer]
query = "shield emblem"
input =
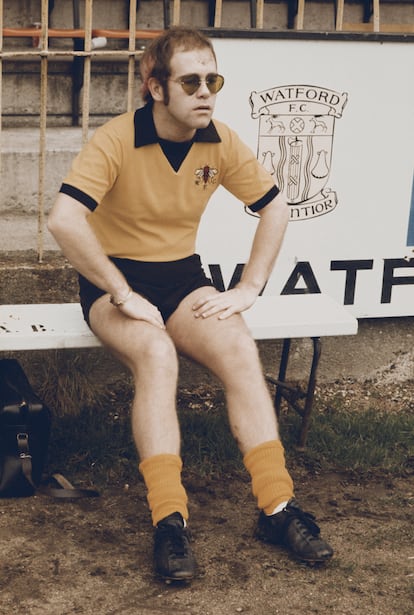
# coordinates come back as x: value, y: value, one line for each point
x: 296, y: 131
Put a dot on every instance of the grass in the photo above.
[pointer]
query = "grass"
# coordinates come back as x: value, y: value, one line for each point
x: 91, y: 434
x: 96, y: 443
x: 68, y: 383
x: 358, y: 440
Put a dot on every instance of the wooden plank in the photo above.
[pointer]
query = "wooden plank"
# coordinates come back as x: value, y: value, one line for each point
x: 376, y: 15
x: 176, y: 13
x: 300, y: 17
x: 259, y: 13
x: 290, y: 316
x: 339, y: 15
x: 47, y: 326
x: 44, y: 326
x: 217, y: 14
x: 391, y: 28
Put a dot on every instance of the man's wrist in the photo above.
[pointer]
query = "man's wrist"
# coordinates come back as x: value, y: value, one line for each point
x: 249, y: 287
x: 117, y: 301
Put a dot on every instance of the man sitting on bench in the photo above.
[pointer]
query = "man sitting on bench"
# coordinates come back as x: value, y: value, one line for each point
x: 126, y: 218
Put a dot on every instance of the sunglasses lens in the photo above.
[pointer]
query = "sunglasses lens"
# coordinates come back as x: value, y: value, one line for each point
x: 215, y: 83
x: 190, y: 84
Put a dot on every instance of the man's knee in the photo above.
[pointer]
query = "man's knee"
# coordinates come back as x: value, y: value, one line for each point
x: 245, y: 345
x: 239, y: 349
x: 157, y: 350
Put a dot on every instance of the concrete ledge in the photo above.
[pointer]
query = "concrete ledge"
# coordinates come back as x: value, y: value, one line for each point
x: 22, y: 231
x: 20, y: 166
x: 26, y: 140
x: 25, y: 280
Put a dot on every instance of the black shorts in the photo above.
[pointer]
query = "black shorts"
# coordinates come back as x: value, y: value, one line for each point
x: 164, y: 284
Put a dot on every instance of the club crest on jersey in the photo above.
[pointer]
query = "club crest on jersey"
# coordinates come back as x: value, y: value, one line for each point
x: 296, y: 130
x: 205, y: 175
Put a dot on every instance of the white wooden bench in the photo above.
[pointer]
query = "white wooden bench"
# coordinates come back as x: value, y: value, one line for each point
x: 59, y: 326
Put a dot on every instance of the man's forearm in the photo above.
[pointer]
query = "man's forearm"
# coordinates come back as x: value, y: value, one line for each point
x: 266, y: 245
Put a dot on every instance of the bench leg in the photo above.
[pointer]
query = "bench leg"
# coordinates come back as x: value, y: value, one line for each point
x: 282, y: 375
x: 293, y: 394
x: 310, y: 392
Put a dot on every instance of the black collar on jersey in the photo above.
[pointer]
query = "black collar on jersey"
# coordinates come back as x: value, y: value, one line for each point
x: 145, y: 133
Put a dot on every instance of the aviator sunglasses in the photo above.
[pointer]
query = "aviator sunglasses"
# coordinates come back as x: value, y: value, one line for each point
x: 191, y: 83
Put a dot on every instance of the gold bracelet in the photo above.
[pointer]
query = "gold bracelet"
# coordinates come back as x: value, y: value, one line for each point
x: 119, y: 302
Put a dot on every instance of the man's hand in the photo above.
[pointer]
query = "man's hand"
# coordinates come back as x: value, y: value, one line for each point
x: 224, y: 304
x: 139, y: 308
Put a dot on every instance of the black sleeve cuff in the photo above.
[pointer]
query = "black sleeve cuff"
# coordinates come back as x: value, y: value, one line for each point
x: 265, y: 200
x: 80, y: 196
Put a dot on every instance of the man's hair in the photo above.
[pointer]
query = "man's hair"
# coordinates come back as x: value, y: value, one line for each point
x: 156, y: 59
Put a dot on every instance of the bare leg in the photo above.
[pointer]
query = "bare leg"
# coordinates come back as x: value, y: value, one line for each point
x: 150, y: 355
x: 228, y: 350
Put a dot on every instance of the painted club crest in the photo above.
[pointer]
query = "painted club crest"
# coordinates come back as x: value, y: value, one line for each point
x: 296, y: 131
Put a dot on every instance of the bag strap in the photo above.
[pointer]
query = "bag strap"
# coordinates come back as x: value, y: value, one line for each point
x: 66, y: 489
x: 25, y: 456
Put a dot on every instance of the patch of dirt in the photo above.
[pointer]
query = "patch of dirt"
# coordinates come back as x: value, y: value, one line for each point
x: 94, y: 556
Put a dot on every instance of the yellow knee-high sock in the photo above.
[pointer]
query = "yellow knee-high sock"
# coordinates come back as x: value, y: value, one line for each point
x: 166, y: 494
x: 271, y: 482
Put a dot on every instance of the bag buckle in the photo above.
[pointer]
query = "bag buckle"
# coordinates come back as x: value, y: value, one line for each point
x: 23, y: 445
x: 25, y: 456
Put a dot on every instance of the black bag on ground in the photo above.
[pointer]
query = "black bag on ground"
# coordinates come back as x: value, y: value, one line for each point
x: 24, y: 432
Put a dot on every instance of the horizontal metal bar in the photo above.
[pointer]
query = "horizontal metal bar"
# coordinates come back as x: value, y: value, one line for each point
x: 77, y: 33
x: 296, y: 390
x: 71, y: 53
